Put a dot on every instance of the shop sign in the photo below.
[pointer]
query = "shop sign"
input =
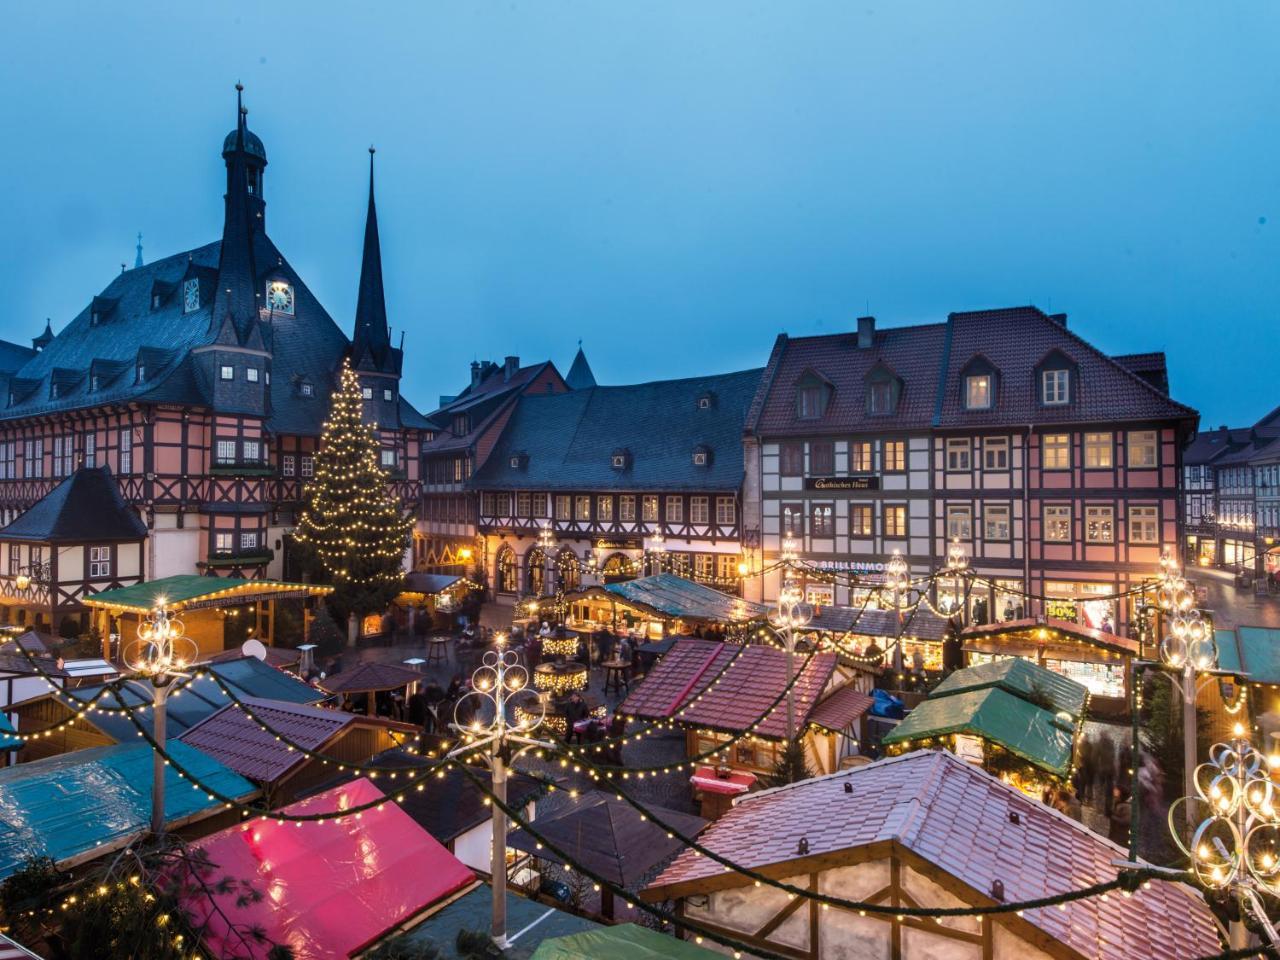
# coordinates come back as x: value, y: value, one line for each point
x: 620, y: 543
x: 846, y: 566
x: 861, y: 481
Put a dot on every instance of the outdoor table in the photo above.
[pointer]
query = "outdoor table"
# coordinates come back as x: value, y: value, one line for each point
x: 717, y: 793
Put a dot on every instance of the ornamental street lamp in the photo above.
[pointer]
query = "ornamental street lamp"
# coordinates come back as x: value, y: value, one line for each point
x: 657, y: 549
x: 897, y: 577
x: 1235, y: 849
x: 957, y: 567
x: 160, y: 654
x: 547, y: 544
x: 494, y: 685
x: 791, y: 614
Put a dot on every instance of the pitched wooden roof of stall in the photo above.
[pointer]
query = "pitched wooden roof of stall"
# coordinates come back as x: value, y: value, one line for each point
x: 675, y: 598
x: 185, y: 591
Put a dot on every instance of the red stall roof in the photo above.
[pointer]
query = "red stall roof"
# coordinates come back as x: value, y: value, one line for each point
x: 331, y: 889
x: 683, y: 672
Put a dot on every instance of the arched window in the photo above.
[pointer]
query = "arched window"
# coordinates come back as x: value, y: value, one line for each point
x: 568, y: 570
x: 508, y: 578
x: 617, y: 567
x: 535, y: 568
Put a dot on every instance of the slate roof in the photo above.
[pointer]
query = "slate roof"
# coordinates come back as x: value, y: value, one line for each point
x: 1151, y: 367
x: 484, y: 402
x: 84, y: 507
x: 929, y: 360
x: 609, y: 837
x: 567, y: 441
x: 957, y: 817
x: 237, y: 742
x: 370, y: 676
x: 682, y: 673
x: 13, y: 356
x: 755, y: 679
x: 580, y: 376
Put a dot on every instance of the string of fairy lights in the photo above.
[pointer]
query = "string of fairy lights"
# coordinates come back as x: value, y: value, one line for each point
x: 1127, y: 881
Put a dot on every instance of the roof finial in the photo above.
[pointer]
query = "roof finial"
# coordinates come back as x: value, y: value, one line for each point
x: 137, y: 260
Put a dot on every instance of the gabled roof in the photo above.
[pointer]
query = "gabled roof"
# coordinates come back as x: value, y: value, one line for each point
x: 956, y: 817
x: 749, y: 688
x: 929, y: 360
x: 182, y: 589
x: 370, y: 675
x: 570, y: 437
x: 81, y: 805
x: 333, y: 889
x: 85, y: 507
x: 681, y: 674
x: 1022, y: 678
x: 674, y: 597
x: 1251, y: 650
x: 484, y: 403
x: 14, y: 355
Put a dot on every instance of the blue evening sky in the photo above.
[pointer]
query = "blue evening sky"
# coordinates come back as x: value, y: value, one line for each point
x: 675, y: 183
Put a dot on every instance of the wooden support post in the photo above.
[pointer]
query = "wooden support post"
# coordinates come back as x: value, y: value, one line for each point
x: 271, y: 622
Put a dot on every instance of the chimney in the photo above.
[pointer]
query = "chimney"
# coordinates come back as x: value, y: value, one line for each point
x: 1059, y: 318
x: 509, y: 367
x: 866, y: 332
x: 475, y: 374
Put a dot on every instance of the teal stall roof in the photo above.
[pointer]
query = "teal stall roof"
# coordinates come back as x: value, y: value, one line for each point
x: 8, y: 740
x: 626, y: 941
x: 79, y: 805
x: 1022, y: 728
x: 1023, y: 679
x: 1251, y: 650
x: 676, y: 598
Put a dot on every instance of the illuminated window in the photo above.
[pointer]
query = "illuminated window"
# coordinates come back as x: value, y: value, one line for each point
x: 1057, y: 451
x: 627, y: 507
x: 388, y: 459
x: 366, y: 393
x: 1144, y: 525
x: 1057, y: 524
x: 564, y: 508
x: 1142, y: 448
x: 305, y: 389
x: 860, y: 456
x: 1099, y: 524
x: 228, y: 373
x: 604, y: 509
x: 822, y: 520
x: 251, y: 374
x: 977, y: 391
x: 649, y: 506
x: 1097, y: 450
x: 582, y: 508
x: 387, y: 395
x: 860, y: 520
x: 895, y: 456
x: 895, y: 520
x: 222, y: 543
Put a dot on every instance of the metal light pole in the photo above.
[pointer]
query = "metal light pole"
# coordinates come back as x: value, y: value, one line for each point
x: 791, y: 614
x: 658, y: 548
x: 546, y: 543
x: 897, y: 577
x: 160, y: 654
x: 499, y: 678
x: 1235, y: 849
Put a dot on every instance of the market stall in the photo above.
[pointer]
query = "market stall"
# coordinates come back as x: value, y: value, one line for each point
x: 655, y: 607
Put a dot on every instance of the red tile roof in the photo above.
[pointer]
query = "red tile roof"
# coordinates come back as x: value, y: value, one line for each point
x: 682, y: 673
x: 957, y: 817
x: 235, y: 741
x: 841, y: 708
x: 929, y: 360
x: 751, y: 684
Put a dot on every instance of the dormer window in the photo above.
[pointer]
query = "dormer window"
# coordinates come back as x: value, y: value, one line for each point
x: 977, y: 391
x: 704, y: 403
x: 519, y: 460
x: 142, y: 373
x: 813, y: 395
x: 515, y: 463
x: 1055, y: 387
x: 280, y: 297
x: 191, y: 295
x: 880, y: 397
x: 461, y: 424
x: 53, y: 391
x: 155, y: 301
x: 366, y: 393
x: 701, y: 456
x: 95, y: 382
x: 305, y: 389
x: 620, y: 459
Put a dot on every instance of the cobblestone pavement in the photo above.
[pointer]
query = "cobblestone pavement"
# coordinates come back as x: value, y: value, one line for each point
x: 1233, y: 606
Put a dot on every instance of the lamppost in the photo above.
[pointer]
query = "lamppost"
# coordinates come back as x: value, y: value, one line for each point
x: 897, y: 577
x: 957, y: 567
x: 499, y: 678
x: 791, y: 614
x: 546, y: 543
x: 160, y: 654
x: 1236, y: 849
x: 657, y: 549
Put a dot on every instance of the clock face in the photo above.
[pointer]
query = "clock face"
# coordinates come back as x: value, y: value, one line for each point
x: 280, y: 297
x: 191, y: 295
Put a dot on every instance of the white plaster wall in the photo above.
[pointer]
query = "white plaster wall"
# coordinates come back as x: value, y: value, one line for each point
x: 173, y: 551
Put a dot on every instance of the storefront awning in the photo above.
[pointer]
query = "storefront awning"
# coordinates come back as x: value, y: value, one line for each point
x: 669, y: 597
x: 191, y: 591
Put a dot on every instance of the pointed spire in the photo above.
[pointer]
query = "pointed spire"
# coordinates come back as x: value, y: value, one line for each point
x: 372, y: 336
x: 45, y: 338
x: 580, y: 376
x: 237, y: 290
x: 137, y: 260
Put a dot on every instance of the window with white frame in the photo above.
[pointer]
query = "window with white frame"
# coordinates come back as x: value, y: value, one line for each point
x: 99, y: 562
x: 675, y: 510
x: 1056, y: 451
x: 959, y: 521
x: 1144, y: 525
x: 366, y: 393
x: 726, y: 511
x: 1055, y: 387
x: 33, y: 458
x: 9, y: 460
x: 1099, y: 524
x: 223, y: 543
x: 388, y: 459
x: 958, y: 450
x: 699, y: 509
x: 63, y: 448
x: 522, y: 503
x: 288, y: 465
x: 538, y: 505
x: 977, y: 391
x: 15, y: 560
x: 1097, y: 450
x: 307, y: 463
x: 305, y: 389
x: 627, y: 507
x: 822, y: 520
x: 582, y: 509
x: 90, y: 449
x: 704, y: 566
x: 251, y: 374
x: 564, y: 508
x: 252, y: 451
x: 604, y: 509
x: 649, y: 506
x: 225, y: 451
x: 894, y: 456
x: 995, y: 522
x: 1141, y: 445
x: 249, y: 540
x: 126, y: 450
x: 995, y: 453
x: 227, y: 372
x: 1057, y: 523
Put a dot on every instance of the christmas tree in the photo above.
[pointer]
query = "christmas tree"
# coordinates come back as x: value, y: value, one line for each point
x: 354, y: 532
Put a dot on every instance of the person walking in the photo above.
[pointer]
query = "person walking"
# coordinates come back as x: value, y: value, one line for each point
x: 1085, y: 769
x: 1105, y: 778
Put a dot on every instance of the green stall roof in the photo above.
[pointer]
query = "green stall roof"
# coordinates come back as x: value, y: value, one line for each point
x: 676, y: 598
x: 1251, y: 650
x: 528, y: 921
x: 75, y: 806
x: 1023, y: 679
x: 1022, y: 728
x: 187, y: 589
x: 7, y: 739
x: 626, y: 941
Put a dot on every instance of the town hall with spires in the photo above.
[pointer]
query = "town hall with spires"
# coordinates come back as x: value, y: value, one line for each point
x: 196, y: 385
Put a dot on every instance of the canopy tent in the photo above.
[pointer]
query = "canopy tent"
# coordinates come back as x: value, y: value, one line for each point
x: 81, y: 805
x: 191, y: 591
x: 610, y: 838
x: 669, y: 597
x: 626, y: 941
x: 370, y: 678
x: 332, y: 890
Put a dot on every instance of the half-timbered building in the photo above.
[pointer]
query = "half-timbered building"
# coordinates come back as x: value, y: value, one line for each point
x: 202, y: 380
x: 615, y: 475
x: 1053, y: 464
